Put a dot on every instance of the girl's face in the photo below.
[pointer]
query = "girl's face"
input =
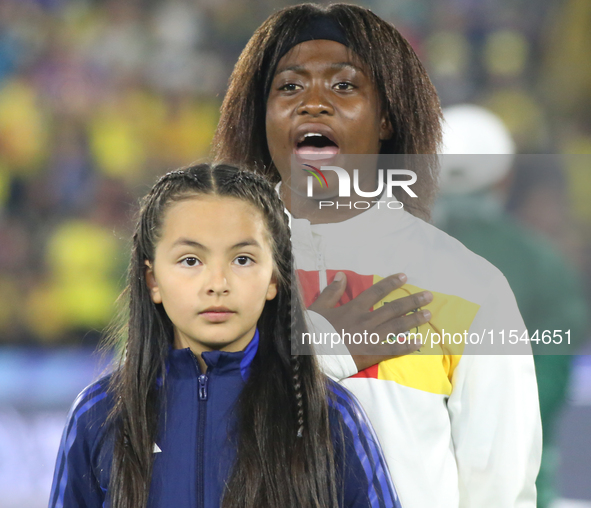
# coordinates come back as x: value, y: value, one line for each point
x: 212, y: 272
x: 322, y: 103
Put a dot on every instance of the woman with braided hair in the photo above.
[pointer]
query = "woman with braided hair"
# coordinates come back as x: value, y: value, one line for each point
x: 207, y: 406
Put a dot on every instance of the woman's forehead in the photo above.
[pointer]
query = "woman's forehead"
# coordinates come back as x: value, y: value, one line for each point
x: 319, y: 53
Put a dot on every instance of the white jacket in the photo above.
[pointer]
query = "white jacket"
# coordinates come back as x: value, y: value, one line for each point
x: 458, y: 430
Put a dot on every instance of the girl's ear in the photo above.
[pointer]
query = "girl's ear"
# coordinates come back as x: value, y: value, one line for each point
x: 152, y: 284
x: 386, y: 130
x: 272, y: 289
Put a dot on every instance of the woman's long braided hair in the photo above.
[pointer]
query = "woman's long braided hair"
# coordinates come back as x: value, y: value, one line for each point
x: 280, y: 461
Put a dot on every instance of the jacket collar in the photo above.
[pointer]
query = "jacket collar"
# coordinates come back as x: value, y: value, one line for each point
x: 183, y: 363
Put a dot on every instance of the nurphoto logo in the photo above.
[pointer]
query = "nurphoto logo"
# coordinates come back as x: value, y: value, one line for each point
x: 345, y: 185
x: 314, y: 172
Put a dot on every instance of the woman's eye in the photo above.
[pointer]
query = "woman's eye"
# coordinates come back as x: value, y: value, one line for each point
x: 344, y: 85
x: 289, y: 87
x: 243, y: 261
x: 190, y: 261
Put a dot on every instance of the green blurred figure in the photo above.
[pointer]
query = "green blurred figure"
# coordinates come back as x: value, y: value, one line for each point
x: 547, y: 289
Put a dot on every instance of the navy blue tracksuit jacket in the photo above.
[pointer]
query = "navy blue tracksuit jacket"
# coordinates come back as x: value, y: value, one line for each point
x: 193, y: 452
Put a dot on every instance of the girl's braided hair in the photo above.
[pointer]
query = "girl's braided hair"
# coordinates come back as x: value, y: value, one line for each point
x: 279, y: 462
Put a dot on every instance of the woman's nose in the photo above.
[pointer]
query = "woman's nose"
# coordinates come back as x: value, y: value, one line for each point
x: 315, y: 102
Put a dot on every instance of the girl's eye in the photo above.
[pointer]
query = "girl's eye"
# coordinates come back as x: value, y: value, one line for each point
x: 190, y: 261
x: 344, y: 85
x: 243, y: 261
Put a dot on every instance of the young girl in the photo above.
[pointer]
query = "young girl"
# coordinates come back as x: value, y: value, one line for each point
x: 457, y: 429
x: 208, y: 407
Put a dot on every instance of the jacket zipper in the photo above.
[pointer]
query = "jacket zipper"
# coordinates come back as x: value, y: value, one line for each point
x: 202, y: 395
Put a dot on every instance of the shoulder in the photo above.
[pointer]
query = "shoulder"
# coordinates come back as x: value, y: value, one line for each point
x: 347, y: 415
x: 83, y: 459
x: 342, y: 403
x: 441, y: 263
x: 449, y: 248
x: 95, y: 396
x: 89, y: 412
x: 88, y: 432
x: 365, y: 472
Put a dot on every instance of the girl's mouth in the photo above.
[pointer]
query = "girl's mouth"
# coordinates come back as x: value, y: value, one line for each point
x: 217, y: 315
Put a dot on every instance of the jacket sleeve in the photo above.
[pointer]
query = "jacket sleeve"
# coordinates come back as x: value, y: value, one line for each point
x: 495, y: 415
x: 75, y: 484
x: 365, y: 474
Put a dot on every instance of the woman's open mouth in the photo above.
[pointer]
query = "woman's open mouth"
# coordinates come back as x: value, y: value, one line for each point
x: 313, y: 145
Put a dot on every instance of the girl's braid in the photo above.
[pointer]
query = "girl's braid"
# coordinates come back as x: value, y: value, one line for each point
x: 297, y: 386
x: 295, y: 365
x: 268, y: 201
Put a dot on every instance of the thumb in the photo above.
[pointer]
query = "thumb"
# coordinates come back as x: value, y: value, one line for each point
x: 332, y: 293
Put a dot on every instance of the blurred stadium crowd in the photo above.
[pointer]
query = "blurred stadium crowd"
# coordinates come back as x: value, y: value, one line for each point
x: 99, y: 97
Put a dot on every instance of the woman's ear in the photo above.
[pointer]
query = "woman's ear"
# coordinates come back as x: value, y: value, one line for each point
x: 272, y: 289
x: 152, y: 284
x: 386, y: 130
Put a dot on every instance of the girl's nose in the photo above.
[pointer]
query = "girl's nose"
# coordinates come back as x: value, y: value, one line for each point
x: 315, y: 102
x: 217, y: 283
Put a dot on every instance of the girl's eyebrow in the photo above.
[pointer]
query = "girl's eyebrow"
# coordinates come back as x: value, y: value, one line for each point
x: 336, y: 66
x: 249, y: 242
x: 190, y: 243
x: 193, y: 243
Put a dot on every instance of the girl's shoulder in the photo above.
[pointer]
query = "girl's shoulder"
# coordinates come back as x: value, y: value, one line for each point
x: 366, y: 475
x: 84, y: 457
x: 90, y: 411
x: 96, y: 393
x: 342, y: 402
x: 346, y: 413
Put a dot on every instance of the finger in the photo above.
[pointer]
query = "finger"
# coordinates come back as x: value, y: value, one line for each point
x: 383, y: 350
x: 403, y: 324
x: 331, y: 294
x: 388, y: 343
x: 406, y: 347
x: 400, y: 307
x: 379, y: 291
